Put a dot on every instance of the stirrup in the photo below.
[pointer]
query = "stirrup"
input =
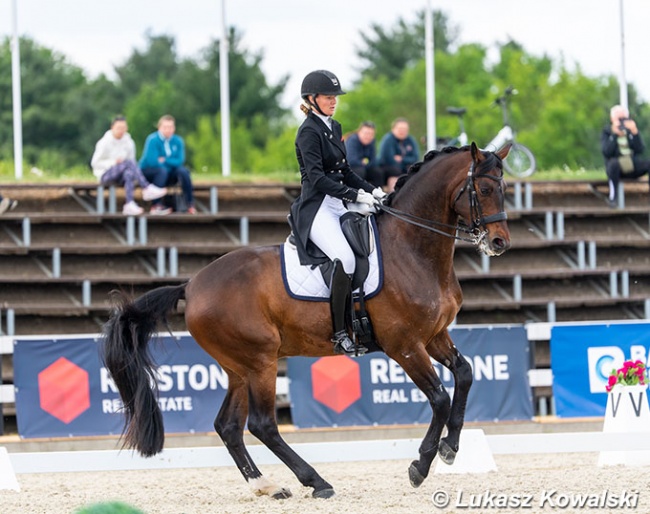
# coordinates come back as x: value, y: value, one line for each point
x: 343, y: 345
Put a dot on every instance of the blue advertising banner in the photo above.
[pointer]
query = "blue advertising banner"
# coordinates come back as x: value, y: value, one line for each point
x: 63, y: 390
x: 373, y: 389
x: 582, y: 358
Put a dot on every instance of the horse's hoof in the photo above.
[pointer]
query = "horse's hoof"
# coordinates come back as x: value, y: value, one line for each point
x: 415, y: 476
x: 281, y: 494
x: 447, y: 453
x: 324, y: 493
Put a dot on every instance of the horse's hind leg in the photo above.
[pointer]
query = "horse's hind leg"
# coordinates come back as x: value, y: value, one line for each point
x: 462, y: 373
x: 263, y: 425
x: 229, y: 424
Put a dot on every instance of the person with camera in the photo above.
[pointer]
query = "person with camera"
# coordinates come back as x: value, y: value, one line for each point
x: 622, y: 147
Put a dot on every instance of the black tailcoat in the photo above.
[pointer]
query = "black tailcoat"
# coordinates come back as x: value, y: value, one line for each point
x: 324, y: 170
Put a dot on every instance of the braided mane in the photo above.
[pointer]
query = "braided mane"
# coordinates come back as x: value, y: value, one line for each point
x: 429, y: 156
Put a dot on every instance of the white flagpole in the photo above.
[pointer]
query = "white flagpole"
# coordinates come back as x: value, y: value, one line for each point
x: 430, y: 78
x: 225, y: 93
x: 16, y: 95
x: 622, y: 80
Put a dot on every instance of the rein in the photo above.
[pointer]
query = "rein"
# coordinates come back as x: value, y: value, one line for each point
x: 477, y: 227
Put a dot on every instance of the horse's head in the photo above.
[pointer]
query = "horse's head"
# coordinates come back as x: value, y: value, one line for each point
x: 451, y: 183
x: 480, y: 200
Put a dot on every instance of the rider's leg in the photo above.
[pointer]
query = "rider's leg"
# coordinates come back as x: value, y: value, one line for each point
x: 340, y: 298
x: 327, y: 235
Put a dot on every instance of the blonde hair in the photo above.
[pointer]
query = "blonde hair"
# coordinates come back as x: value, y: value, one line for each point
x: 166, y: 117
x: 305, y: 107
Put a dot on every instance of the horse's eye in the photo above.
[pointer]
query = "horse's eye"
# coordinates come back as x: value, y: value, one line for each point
x: 486, y: 191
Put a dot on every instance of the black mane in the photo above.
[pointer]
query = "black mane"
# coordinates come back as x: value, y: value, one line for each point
x: 491, y: 161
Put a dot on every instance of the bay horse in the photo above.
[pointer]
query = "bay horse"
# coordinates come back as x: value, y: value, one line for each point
x: 237, y: 309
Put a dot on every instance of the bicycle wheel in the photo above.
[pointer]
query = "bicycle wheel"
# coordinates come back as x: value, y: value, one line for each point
x: 520, y: 161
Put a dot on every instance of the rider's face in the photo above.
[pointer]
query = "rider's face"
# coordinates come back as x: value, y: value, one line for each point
x: 327, y: 104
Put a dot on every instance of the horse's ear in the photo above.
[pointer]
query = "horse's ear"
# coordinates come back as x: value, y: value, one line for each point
x: 476, y: 153
x: 503, y: 153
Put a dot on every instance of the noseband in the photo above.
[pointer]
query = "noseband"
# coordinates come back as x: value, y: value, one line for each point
x: 476, y: 230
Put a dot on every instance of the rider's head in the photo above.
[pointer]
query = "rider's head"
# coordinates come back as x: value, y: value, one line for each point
x: 319, y: 91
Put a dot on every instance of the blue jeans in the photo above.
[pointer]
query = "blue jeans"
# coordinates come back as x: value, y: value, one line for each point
x: 163, y: 177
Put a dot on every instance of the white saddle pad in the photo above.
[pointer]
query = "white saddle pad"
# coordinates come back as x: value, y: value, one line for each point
x: 305, y: 283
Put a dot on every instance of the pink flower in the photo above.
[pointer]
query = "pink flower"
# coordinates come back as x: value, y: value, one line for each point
x: 631, y: 373
x: 613, y: 379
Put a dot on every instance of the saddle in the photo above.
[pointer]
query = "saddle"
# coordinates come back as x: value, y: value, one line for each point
x: 356, y: 229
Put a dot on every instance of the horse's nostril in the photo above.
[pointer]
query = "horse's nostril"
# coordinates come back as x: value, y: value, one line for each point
x: 498, y: 243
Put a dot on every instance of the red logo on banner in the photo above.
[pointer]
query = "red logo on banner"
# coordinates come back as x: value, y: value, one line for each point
x: 64, y: 390
x: 336, y: 382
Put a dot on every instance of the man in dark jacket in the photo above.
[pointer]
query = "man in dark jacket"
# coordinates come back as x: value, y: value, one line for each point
x: 622, y: 147
x: 362, y: 154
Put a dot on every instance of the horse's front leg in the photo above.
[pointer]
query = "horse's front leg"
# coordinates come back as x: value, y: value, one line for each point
x: 263, y: 425
x: 417, y: 364
x: 448, y: 355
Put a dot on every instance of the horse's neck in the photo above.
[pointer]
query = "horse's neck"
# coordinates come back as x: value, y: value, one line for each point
x: 434, y: 250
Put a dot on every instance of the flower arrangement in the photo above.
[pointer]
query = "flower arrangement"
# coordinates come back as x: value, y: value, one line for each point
x: 632, y: 373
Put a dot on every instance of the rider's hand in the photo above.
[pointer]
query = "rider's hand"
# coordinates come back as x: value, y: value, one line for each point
x: 379, y: 194
x: 367, y: 198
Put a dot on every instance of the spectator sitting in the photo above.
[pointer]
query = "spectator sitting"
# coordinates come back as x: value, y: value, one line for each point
x: 622, y: 147
x: 397, y: 151
x: 6, y: 204
x: 362, y: 154
x: 163, y: 161
x: 113, y: 162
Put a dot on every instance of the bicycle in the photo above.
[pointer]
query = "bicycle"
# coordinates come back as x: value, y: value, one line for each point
x: 520, y: 161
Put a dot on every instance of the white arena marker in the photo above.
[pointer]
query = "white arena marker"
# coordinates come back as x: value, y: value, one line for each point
x: 627, y: 411
x: 474, y: 455
x: 7, y: 476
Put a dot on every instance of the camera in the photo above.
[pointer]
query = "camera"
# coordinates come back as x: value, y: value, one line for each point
x: 621, y: 123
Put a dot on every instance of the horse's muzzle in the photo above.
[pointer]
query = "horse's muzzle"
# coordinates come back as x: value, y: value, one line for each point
x: 498, y: 245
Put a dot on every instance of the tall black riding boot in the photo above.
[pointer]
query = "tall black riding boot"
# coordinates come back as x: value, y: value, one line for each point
x: 340, y: 296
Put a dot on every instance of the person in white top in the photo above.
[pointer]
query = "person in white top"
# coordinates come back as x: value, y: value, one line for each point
x: 113, y: 162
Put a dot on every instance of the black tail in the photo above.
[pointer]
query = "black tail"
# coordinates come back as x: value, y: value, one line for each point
x: 126, y: 356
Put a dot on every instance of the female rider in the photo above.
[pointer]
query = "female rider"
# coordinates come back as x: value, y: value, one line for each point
x: 328, y: 184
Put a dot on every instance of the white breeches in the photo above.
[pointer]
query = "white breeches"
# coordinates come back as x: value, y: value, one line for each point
x: 326, y: 233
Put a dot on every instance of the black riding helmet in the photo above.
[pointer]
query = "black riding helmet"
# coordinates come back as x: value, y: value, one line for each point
x: 320, y: 82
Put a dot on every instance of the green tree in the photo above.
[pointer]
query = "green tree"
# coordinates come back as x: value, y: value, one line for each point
x: 50, y: 118
x: 388, y: 52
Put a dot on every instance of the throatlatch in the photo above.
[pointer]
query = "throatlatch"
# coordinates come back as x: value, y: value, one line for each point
x: 340, y: 300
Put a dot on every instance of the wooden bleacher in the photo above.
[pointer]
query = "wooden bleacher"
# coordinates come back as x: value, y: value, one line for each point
x: 61, y: 253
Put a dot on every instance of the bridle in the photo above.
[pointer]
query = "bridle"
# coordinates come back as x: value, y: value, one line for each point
x: 476, y: 231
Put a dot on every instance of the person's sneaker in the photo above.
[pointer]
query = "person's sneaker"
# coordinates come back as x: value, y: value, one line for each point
x: 160, y: 210
x: 191, y: 210
x: 153, y: 192
x: 132, y: 209
x: 612, y: 203
x: 7, y: 204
